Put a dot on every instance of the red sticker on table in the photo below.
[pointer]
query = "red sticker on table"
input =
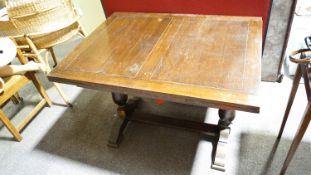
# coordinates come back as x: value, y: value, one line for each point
x: 159, y: 101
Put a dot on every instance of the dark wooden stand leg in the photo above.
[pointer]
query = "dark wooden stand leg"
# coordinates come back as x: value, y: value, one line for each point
x: 125, y: 109
x: 16, y: 99
x: 295, y: 85
x: 226, y: 117
x: 120, y: 120
x: 298, y: 137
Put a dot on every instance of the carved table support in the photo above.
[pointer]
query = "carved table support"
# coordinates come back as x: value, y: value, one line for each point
x: 127, y: 107
x: 121, y: 119
x: 226, y: 118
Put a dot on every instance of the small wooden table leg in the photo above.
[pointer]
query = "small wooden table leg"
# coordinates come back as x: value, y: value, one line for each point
x: 226, y: 117
x: 120, y: 123
x: 121, y: 119
x: 298, y: 137
x: 295, y: 85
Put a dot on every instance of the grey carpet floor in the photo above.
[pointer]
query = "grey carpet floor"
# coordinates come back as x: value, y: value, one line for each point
x: 73, y: 141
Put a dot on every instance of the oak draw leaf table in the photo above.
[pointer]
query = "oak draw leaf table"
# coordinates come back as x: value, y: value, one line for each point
x: 211, y: 61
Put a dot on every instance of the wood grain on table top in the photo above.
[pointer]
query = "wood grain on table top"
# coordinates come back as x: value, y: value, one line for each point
x: 205, y: 60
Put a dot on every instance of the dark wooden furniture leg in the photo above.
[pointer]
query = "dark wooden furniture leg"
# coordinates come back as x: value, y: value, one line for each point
x: 226, y: 118
x: 125, y: 109
x: 16, y: 99
x: 296, y: 81
x: 120, y: 119
x: 51, y: 50
x: 298, y: 137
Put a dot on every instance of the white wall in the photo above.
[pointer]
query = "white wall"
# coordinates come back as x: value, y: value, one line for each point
x: 93, y: 14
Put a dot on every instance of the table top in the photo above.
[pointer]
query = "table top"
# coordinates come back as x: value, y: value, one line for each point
x: 212, y: 61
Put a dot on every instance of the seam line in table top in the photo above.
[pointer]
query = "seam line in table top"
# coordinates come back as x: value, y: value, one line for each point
x: 156, y: 44
x: 171, y: 41
x: 244, y: 55
x: 106, y: 28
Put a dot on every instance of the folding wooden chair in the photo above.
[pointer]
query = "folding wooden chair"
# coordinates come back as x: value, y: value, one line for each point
x: 12, y: 85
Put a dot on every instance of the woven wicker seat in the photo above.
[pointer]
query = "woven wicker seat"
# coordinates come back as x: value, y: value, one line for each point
x: 39, y: 16
x: 49, y: 40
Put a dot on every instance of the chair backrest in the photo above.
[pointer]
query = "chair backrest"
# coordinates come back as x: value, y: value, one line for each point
x: 211, y: 7
x: 38, y: 16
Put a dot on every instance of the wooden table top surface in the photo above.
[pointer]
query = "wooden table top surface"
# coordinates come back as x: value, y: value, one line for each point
x: 212, y: 61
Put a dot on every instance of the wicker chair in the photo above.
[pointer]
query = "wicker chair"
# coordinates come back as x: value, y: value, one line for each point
x: 39, y: 25
x: 45, y: 22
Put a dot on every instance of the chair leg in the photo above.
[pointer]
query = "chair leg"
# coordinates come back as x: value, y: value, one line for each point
x: 10, y: 126
x: 40, y: 88
x: 298, y: 137
x: 296, y: 81
x: 82, y: 31
x: 62, y: 94
x: 51, y: 50
x: 16, y: 99
x: 40, y: 59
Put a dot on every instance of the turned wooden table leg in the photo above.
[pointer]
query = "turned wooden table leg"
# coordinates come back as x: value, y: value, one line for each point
x: 226, y: 118
x: 121, y: 119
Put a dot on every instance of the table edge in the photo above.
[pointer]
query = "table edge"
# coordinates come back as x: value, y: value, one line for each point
x: 253, y: 108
